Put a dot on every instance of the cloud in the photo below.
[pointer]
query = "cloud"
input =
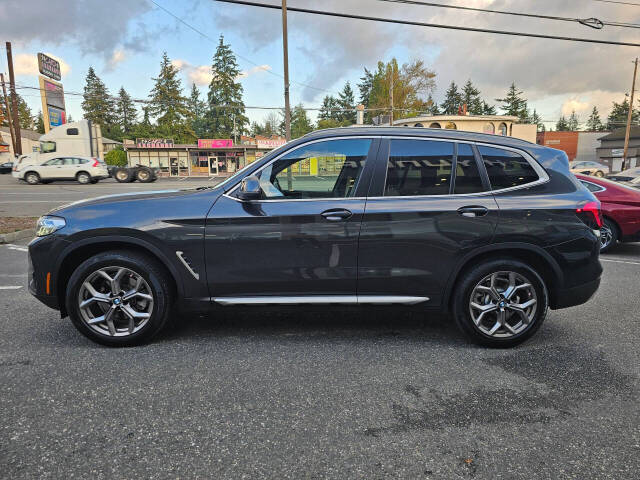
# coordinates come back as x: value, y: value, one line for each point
x: 27, y: 64
x: 118, y: 56
x: 93, y: 26
x: 201, y: 74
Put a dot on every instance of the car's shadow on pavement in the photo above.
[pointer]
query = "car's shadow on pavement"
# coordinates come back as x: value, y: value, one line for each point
x: 313, y: 324
x: 630, y: 250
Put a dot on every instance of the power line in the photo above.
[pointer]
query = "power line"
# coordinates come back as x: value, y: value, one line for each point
x: 199, y: 32
x: 618, y: 2
x: 589, y: 22
x: 432, y: 25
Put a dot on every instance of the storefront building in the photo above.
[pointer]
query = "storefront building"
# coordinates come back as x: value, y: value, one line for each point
x: 209, y: 157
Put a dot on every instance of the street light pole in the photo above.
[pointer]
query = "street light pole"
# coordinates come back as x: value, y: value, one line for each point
x: 285, y: 48
x: 629, y: 117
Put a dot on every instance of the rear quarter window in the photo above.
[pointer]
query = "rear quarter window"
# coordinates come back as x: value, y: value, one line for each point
x: 507, y: 169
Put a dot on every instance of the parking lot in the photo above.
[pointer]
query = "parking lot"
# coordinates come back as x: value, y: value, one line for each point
x: 317, y: 393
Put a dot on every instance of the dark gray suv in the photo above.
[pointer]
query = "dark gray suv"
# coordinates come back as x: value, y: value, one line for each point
x: 493, y: 229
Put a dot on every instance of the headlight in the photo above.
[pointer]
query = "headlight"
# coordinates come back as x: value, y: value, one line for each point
x: 47, y: 225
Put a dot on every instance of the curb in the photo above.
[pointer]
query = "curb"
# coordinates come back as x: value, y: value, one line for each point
x: 20, y: 234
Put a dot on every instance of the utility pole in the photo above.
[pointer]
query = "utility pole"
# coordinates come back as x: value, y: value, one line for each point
x: 285, y: 48
x: 8, y: 110
x: 14, y: 102
x: 629, y: 116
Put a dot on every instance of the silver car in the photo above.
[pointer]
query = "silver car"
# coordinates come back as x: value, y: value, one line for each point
x: 82, y: 169
x: 589, y: 168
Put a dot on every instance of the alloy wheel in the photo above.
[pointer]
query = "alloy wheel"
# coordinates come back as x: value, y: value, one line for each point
x: 115, y: 301
x: 606, y: 236
x: 503, y: 304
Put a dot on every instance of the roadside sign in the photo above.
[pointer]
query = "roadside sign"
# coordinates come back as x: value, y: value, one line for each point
x: 49, y: 66
x: 53, y: 107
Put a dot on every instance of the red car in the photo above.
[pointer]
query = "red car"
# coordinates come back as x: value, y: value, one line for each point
x: 620, y: 210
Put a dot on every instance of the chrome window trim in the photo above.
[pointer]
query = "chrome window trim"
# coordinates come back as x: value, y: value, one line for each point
x: 322, y: 300
x: 543, y: 177
x: 602, y: 189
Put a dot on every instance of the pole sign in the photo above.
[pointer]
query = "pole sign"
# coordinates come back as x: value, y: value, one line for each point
x: 53, y: 107
x: 49, y: 66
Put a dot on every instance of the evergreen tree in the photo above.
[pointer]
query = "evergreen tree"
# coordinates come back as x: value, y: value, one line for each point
x: 125, y: 112
x: 488, y: 109
x: 573, y: 123
x: 25, y: 118
x: 300, y: 122
x: 452, y: 100
x: 594, y: 124
x: 471, y: 96
x: 39, y: 123
x: 346, y: 103
x: 328, y: 108
x: 514, y: 104
x: 225, y: 91
x: 432, y: 106
x: 166, y: 102
x: 562, y: 125
x: 535, y: 119
x: 364, y: 87
x: 197, y: 110
x: 618, y: 116
x: 98, y: 106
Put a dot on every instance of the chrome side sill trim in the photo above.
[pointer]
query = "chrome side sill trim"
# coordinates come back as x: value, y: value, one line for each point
x: 322, y: 299
x: 186, y: 265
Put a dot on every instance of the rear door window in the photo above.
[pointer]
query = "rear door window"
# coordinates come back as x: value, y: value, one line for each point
x: 419, y: 167
x: 506, y: 168
x: 468, y: 178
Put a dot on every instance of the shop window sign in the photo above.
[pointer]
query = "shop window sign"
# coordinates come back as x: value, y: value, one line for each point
x: 154, y: 143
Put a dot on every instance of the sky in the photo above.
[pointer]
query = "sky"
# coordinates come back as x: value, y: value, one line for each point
x: 124, y: 40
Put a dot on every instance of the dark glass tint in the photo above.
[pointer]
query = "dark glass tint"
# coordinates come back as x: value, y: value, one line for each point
x: 328, y: 169
x: 506, y: 168
x: 419, y: 167
x: 468, y: 178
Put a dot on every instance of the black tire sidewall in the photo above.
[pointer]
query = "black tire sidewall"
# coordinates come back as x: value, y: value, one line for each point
x: 116, y: 173
x: 468, y: 282
x: 141, y: 264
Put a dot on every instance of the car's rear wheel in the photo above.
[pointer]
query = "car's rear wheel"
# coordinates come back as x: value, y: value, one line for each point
x: 608, y: 235
x: 119, y: 298
x: 83, y: 178
x: 32, y: 178
x: 500, y: 303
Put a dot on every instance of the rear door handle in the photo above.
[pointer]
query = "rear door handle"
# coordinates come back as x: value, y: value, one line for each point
x: 473, y: 211
x: 336, y: 214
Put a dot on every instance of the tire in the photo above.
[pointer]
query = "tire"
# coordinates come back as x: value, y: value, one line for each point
x: 83, y: 177
x: 32, y: 178
x: 599, y: 174
x: 473, y: 287
x: 154, y: 298
x: 122, y: 175
x: 144, y: 175
x: 609, y: 235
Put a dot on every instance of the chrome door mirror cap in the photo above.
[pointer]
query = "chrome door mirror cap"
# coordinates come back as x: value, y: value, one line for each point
x: 250, y: 188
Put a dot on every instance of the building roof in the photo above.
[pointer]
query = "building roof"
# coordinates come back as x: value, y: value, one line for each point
x: 24, y: 133
x: 108, y: 140
x: 457, y: 118
x: 619, y: 133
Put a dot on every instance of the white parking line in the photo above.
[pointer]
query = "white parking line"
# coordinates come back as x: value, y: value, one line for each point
x: 619, y: 261
x: 10, y: 287
x: 20, y: 248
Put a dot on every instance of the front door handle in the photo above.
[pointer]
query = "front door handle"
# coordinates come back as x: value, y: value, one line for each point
x: 473, y: 211
x: 336, y: 214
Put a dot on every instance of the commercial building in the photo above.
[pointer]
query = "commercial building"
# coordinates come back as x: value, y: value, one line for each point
x: 611, y: 149
x: 208, y: 157
x: 577, y: 145
x: 495, y: 124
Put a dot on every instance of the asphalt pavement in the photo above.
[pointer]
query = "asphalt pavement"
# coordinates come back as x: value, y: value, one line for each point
x: 323, y: 394
x: 18, y: 199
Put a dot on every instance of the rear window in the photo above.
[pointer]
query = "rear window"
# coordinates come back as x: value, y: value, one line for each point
x: 506, y: 168
x: 592, y: 187
x: 419, y: 167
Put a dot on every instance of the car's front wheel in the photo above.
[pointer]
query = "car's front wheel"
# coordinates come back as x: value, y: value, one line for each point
x: 119, y: 298
x: 500, y: 303
x: 32, y: 178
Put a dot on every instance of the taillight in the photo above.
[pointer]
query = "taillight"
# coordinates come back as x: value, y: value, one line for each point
x: 592, y: 211
x: 96, y: 163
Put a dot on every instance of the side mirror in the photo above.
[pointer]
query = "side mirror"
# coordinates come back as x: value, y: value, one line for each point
x: 250, y: 188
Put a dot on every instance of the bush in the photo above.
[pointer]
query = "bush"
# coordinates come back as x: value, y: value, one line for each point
x: 116, y: 157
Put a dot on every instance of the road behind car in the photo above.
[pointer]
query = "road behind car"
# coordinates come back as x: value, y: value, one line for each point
x: 352, y: 394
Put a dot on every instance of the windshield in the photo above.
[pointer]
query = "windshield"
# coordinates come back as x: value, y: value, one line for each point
x: 47, y: 147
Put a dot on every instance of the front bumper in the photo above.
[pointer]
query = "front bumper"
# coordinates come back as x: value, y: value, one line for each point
x: 41, y: 278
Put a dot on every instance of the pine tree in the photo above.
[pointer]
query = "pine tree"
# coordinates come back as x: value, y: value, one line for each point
x: 562, y: 125
x: 97, y: 104
x: 300, y: 123
x: 573, y: 123
x: 471, y: 96
x: 125, y: 112
x: 488, y: 109
x: 594, y: 124
x: 328, y: 108
x: 535, y: 119
x: 364, y: 87
x: 452, y: 100
x: 432, y: 106
x: 514, y: 104
x: 197, y: 110
x: 39, y: 123
x: 225, y: 91
x: 346, y: 103
x: 25, y: 118
x: 166, y: 102
x: 619, y: 113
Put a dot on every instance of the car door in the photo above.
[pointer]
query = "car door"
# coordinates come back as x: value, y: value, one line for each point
x: 51, y: 169
x: 298, y: 242
x: 429, y: 205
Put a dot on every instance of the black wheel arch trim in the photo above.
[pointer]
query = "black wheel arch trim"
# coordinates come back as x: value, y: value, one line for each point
x: 494, y: 248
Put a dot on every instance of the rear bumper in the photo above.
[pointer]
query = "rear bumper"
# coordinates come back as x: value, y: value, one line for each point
x: 570, y: 297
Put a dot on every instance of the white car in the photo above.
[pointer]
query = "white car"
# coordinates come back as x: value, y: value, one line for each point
x: 82, y: 169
